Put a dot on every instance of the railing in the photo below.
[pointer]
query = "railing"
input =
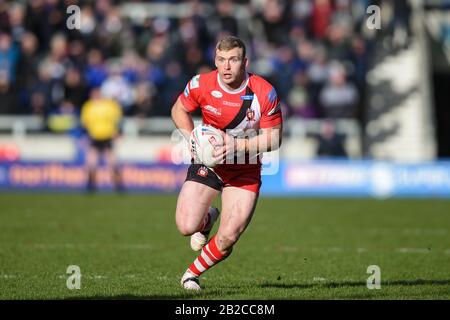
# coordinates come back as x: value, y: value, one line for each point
x: 163, y: 125
x: 27, y: 133
x: 21, y: 125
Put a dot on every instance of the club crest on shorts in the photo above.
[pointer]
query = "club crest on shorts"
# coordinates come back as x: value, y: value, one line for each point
x: 202, y: 171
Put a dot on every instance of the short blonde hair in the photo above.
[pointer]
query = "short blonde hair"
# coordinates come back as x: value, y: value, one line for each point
x: 229, y: 43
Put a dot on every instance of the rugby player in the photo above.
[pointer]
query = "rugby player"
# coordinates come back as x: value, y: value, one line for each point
x: 236, y: 102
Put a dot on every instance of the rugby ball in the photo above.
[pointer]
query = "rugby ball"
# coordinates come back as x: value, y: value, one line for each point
x: 203, y: 138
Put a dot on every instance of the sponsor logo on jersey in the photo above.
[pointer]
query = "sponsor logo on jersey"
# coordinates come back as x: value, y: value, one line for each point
x: 272, y: 95
x: 247, y: 97
x: 195, y: 82
x: 211, y: 109
x: 231, y: 104
x: 202, y: 171
x: 186, y: 91
x: 275, y: 109
x: 216, y: 94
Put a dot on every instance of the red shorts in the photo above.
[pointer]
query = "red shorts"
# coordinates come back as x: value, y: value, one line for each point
x: 226, y: 176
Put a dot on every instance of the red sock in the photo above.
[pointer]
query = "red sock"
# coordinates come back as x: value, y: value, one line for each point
x: 209, y: 257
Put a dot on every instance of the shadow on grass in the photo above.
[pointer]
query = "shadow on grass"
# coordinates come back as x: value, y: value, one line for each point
x: 205, y: 294
x: 334, y: 284
x: 229, y: 292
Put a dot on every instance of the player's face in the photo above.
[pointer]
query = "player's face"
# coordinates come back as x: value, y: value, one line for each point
x: 231, y: 66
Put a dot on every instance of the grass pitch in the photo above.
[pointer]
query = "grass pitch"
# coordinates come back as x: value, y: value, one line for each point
x: 127, y: 247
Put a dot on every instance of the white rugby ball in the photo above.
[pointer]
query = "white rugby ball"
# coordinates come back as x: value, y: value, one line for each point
x: 203, y: 138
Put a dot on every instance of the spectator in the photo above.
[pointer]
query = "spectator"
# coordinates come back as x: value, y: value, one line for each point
x: 27, y: 67
x: 116, y: 87
x: 275, y: 22
x: 57, y: 60
x: 337, y: 42
x: 16, y: 20
x: 96, y: 71
x: 9, y: 55
x: 226, y: 19
x: 176, y: 81
x: 144, y: 105
x: 38, y: 99
x: 88, y: 27
x: 75, y: 90
x: 318, y: 72
x: 7, y: 103
x: 302, y: 11
x: 320, y: 19
x: 339, y: 98
x: 284, y: 62
x: 36, y: 19
x: 292, y: 44
x: 77, y: 53
x: 299, y: 99
x: 4, y: 17
x: 330, y: 144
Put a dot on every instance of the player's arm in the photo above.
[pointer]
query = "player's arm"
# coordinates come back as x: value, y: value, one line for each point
x: 271, y: 124
x: 186, y: 103
x: 269, y: 139
x: 182, y: 118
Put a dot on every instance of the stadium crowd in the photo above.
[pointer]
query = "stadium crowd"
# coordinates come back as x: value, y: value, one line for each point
x: 315, y: 52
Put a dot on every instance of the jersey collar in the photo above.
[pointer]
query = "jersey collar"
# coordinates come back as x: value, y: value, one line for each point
x: 242, y: 87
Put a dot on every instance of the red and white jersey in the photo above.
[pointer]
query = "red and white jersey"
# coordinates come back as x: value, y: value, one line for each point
x: 220, y: 105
